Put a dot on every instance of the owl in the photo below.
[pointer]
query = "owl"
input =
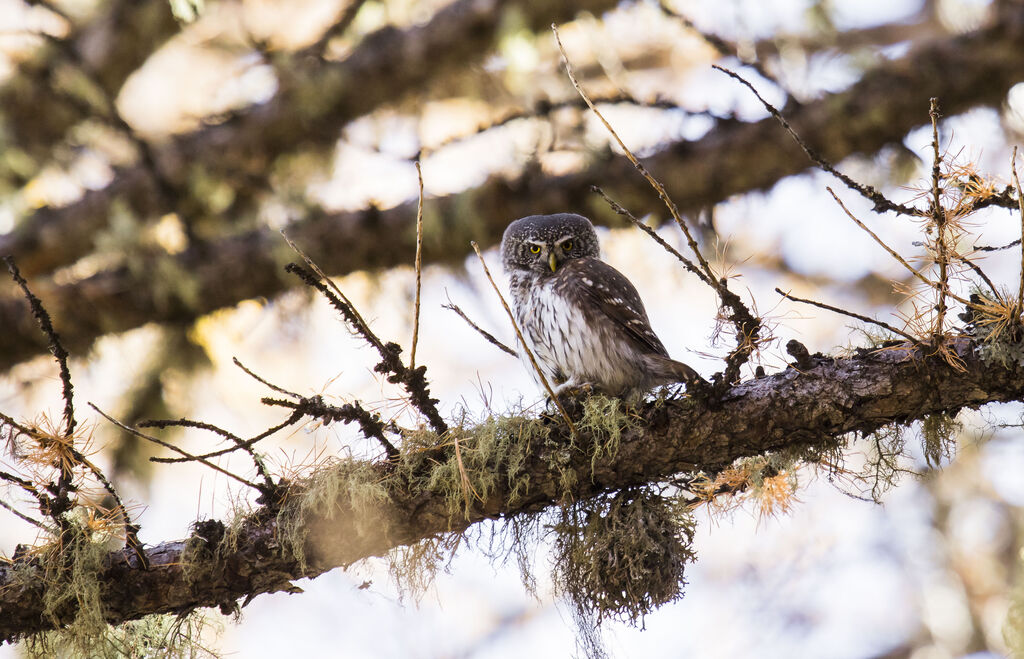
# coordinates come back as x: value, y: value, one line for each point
x: 581, y: 318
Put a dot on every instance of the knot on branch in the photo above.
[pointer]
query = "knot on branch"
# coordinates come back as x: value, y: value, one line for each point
x: 797, y: 350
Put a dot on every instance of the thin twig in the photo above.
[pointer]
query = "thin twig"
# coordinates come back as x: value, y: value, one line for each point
x: 131, y: 529
x: 687, y: 263
x: 939, y: 218
x: 66, y: 471
x: 522, y: 341
x: 893, y: 253
x: 990, y: 248
x: 294, y: 418
x: 352, y: 314
x: 17, y: 426
x: 882, y: 203
x: 23, y: 483
x: 419, y: 267
x: 370, y: 423
x: 239, y: 443
x: 1020, y: 207
x: 844, y: 312
x: 174, y: 448
x: 56, y: 348
x: 414, y: 380
x: 23, y: 516
x: 451, y: 306
x: 262, y: 381
x: 748, y: 326
x: 639, y: 166
x: 977, y: 269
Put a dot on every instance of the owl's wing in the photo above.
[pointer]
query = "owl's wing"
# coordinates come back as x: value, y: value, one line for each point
x: 604, y: 294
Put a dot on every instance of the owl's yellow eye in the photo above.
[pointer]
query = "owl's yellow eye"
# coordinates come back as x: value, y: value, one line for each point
x: 535, y: 249
x: 567, y: 246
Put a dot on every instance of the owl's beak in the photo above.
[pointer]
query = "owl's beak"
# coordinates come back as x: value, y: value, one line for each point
x: 551, y: 260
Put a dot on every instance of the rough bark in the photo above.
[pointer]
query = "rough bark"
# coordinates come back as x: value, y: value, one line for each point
x: 814, y: 407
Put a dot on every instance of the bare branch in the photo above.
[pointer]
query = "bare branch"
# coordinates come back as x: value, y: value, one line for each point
x: 412, y: 379
x: 881, y: 202
x: 1020, y: 209
x: 262, y: 381
x: 639, y: 166
x: 419, y: 266
x: 812, y: 408
x: 990, y: 248
x: 938, y: 214
x: 451, y: 306
x: 174, y: 448
x: 56, y: 348
x: 851, y: 314
x: 687, y: 263
x: 522, y: 342
x: 17, y: 513
x: 893, y: 253
x: 748, y: 326
x: 370, y: 423
x: 269, y: 486
x: 293, y: 419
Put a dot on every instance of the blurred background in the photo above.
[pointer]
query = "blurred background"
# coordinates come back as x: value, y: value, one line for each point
x: 150, y: 152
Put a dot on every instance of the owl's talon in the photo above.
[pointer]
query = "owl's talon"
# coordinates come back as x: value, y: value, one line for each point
x: 574, y: 390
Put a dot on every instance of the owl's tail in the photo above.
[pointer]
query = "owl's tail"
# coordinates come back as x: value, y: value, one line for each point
x: 665, y: 370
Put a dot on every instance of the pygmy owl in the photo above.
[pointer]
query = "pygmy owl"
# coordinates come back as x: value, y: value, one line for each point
x: 581, y: 318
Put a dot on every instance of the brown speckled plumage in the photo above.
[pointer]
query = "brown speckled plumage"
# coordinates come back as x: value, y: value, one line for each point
x: 581, y: 318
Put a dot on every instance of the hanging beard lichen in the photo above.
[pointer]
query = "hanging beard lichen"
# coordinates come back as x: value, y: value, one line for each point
x: 938, y: 438
x: 70, y: 568
x: 623, y: 555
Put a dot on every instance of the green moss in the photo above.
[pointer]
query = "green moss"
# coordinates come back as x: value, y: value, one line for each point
x: 1004, y: 353
x: 604, y: 420
x: 481, y: 462
x: 414, y: 567
x: 938, y: 438
x: 349, y: 486
x: 156, y: 636
x: 70, y: 568
x: 886, y: 448
x: 623, y: 555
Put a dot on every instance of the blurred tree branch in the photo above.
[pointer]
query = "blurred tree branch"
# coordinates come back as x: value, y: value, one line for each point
x: 315, y: 99
x: 964, y: 71
x: 36, y: 110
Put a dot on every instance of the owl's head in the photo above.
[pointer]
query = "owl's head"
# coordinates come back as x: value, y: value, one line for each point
x: 541, y: 243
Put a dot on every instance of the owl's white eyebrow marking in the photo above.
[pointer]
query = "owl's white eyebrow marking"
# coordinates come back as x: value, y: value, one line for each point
x: 563, y: 239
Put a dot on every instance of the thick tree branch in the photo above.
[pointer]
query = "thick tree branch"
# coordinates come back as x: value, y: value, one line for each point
x: 815, y: 408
